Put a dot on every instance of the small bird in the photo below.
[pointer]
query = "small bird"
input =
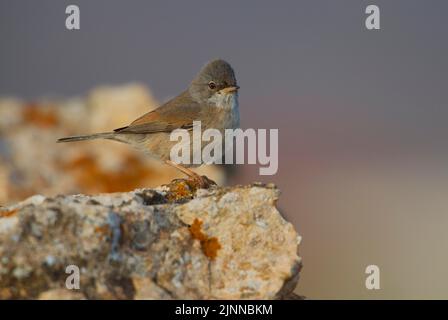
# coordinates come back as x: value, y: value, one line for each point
x: 211, y: 98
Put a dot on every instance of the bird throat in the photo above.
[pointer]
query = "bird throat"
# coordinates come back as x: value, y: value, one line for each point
x: 228, y: 104
x: 227, y: 101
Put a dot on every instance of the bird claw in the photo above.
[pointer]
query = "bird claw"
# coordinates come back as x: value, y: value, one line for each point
x: 202, y: 182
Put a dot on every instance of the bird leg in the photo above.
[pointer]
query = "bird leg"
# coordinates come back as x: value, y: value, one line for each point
x: 201, y: 181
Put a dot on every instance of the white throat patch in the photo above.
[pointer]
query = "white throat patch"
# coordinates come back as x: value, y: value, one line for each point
x: 225, y: 100
x: 229, y: 103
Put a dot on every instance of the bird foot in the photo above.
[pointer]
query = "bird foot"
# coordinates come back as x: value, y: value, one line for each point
x: 202, y: 182
x: 185, y: 189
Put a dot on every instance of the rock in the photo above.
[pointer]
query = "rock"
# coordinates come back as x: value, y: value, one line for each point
x: 111, y: 106
x: 171, y: 242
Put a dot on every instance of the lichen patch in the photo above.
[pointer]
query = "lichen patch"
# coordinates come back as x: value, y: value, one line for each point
x: 209, y: 245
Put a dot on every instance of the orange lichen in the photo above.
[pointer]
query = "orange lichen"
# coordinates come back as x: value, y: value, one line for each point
x: 9, y: 213
x: 210, y: 246
x: 103, y: 231
x: 180, y: 189
x: 38, y: 116
x: 184, y: 189
x: 91, y: 177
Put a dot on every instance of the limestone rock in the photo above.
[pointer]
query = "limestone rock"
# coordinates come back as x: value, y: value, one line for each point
x: 171, y: 242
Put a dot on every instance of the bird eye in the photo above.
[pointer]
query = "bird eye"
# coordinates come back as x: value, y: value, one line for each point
x: 212, y: 85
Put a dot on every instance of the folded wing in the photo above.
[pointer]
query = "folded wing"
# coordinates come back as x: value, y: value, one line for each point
x: 178, y: 113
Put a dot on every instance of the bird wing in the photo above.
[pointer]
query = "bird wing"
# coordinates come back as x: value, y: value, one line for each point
x: 177, y: 113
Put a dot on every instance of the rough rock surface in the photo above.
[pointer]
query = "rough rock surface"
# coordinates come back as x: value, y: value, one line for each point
x: 172, y: 242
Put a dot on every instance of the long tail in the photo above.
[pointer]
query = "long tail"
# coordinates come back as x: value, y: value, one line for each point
x: 104, y: 135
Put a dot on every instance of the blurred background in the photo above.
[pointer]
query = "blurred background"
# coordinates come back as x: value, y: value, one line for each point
x: 362, y: 117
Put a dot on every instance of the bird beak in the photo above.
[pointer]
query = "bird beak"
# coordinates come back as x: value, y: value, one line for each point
x: 229, y: 89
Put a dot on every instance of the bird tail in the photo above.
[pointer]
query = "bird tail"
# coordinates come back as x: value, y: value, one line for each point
x: 104, y: 135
